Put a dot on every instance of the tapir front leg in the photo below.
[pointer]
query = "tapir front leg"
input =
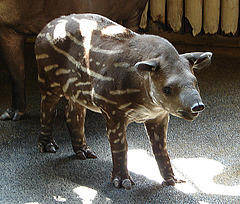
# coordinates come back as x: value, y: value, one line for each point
x: 116, y: 130
x: 157, y: 132
x: 75, y: 118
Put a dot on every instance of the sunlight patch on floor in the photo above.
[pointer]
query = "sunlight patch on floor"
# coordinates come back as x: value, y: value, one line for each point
x: 141, y: 163
x: 198, y: 172
x: 59, y: 199
x: 201, y: 171
x: 86, y: 194
x: 32, y: 203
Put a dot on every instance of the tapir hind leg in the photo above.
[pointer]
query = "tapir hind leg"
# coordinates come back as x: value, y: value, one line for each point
x: 75, y: 118
x: 157, y: 132
x: 46, y: 142
x: 12, y: 46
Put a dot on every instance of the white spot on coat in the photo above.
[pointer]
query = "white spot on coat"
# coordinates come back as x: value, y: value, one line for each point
x: 119, y: 151
x: 50, y: 26
x: 97, y: 96
x: 78, y: 93
x: 113, y: 30
x: 124, y: 106
x: 62, y: 71
x: 55, y: 84
x: 86, y: 92
x: 42, y: 56
x: 116, y: 141
x: 118, y: 126
x: 41, y: 35
x: 156, y: 137
x: 67, y: 114
x: 126, y: 91
x: 60, y: 30
x: 43, y: 97
x: 41, y: 80
x: 50, y: 67
x: 67, y: 84
x: 68, y: 120
x: 45, y: 133
x: 120, y: 134
x: 86, y: 28
x: 103, y: 111
x: 83, y: 83
x: 123, y: 140
x: 121, y: 64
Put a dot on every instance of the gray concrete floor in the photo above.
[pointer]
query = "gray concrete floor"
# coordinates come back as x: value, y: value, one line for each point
x: 204, y: 152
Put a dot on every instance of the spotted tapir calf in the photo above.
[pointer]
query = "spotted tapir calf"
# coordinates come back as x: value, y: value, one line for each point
x: 97, y: 64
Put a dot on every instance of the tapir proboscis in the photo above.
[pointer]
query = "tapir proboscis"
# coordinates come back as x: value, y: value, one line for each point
x: 100, y: 65
x: 21, y: 18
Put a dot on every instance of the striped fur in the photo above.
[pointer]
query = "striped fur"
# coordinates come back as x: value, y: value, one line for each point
x: 99, y: 65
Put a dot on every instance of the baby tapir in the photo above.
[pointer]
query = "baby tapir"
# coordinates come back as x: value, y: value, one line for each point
x: 97, y: 64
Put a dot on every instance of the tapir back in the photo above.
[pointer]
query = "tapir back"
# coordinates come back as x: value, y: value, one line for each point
x: 77, y: 56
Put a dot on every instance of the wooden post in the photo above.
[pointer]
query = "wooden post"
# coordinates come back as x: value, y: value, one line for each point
x: 175, y: 14
x: 211, y: 16
x: 193, y: 12
x: 157, y: 10
x: 144, y: 20
x: 229, y: 16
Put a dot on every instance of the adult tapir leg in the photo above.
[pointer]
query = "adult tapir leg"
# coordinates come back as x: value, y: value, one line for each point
x: 116, y: 130
x: 157, y: 132
x: 12, y: 45
x: 75, y: 118
x: 46, y: 142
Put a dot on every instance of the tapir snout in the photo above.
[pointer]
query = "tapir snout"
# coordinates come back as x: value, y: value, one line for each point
x: 198, y: 107
x: 191, y: 104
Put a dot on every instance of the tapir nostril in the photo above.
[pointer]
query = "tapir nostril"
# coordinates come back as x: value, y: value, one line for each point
x: 198, y: 107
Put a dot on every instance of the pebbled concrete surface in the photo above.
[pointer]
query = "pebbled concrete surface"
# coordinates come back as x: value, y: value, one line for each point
x: 205, y: 152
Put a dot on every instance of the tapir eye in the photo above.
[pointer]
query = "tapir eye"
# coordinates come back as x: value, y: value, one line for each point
x: 167, y: 90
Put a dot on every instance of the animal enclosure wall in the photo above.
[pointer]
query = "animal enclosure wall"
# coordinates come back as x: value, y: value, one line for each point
x: 196, y: 16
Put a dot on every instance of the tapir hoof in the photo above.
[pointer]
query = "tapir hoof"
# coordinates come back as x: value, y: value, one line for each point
x: 172, y: 182
x: 126, y: 183
x: 85, y: 152
x: 11, y: 114
x: 50, y: 147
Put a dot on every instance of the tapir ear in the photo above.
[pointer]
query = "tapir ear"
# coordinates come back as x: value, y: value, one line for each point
x: 146, y: 66
x: 198, y: 60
